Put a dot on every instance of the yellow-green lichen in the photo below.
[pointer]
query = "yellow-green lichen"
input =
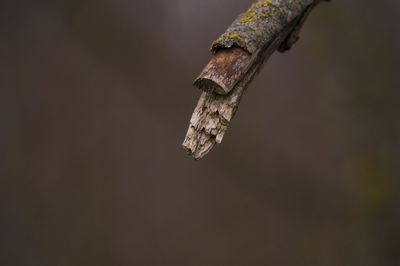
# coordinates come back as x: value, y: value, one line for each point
x: 259, y: 24
x: 262, y: 4
x: 250, y: 15
x: 228, y: 40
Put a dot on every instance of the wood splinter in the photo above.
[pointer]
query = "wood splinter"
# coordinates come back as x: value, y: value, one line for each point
x: 268, y: 26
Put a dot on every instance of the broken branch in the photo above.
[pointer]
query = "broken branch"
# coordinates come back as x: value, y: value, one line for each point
x: 239, y: 54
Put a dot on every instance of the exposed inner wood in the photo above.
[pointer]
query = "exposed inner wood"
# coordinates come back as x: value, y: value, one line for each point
x: 229, y: 73
x: 224, y: 70
x: 214, y: 112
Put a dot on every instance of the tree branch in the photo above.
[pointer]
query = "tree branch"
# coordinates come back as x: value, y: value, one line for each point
x: 239, y: 53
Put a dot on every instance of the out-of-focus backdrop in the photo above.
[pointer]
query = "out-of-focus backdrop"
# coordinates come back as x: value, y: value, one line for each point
x: 95, y: 99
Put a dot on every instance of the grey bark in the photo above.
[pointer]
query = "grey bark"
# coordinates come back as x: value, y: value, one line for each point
x: 266, y: 27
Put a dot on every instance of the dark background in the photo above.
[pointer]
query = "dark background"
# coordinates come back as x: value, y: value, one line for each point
x: 95, y: 100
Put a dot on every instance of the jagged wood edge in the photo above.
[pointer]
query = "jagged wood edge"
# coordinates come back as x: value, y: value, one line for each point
x: 214, y: 112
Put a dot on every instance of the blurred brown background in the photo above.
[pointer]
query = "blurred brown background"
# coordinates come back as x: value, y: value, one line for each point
x: 95, y: 99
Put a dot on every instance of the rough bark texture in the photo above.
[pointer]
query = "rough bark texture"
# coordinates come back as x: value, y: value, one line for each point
x: 266, y: 27
x: 260, y: 23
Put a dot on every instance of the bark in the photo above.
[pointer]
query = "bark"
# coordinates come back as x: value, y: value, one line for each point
x: 253, y: 37
x: 224, y: 70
